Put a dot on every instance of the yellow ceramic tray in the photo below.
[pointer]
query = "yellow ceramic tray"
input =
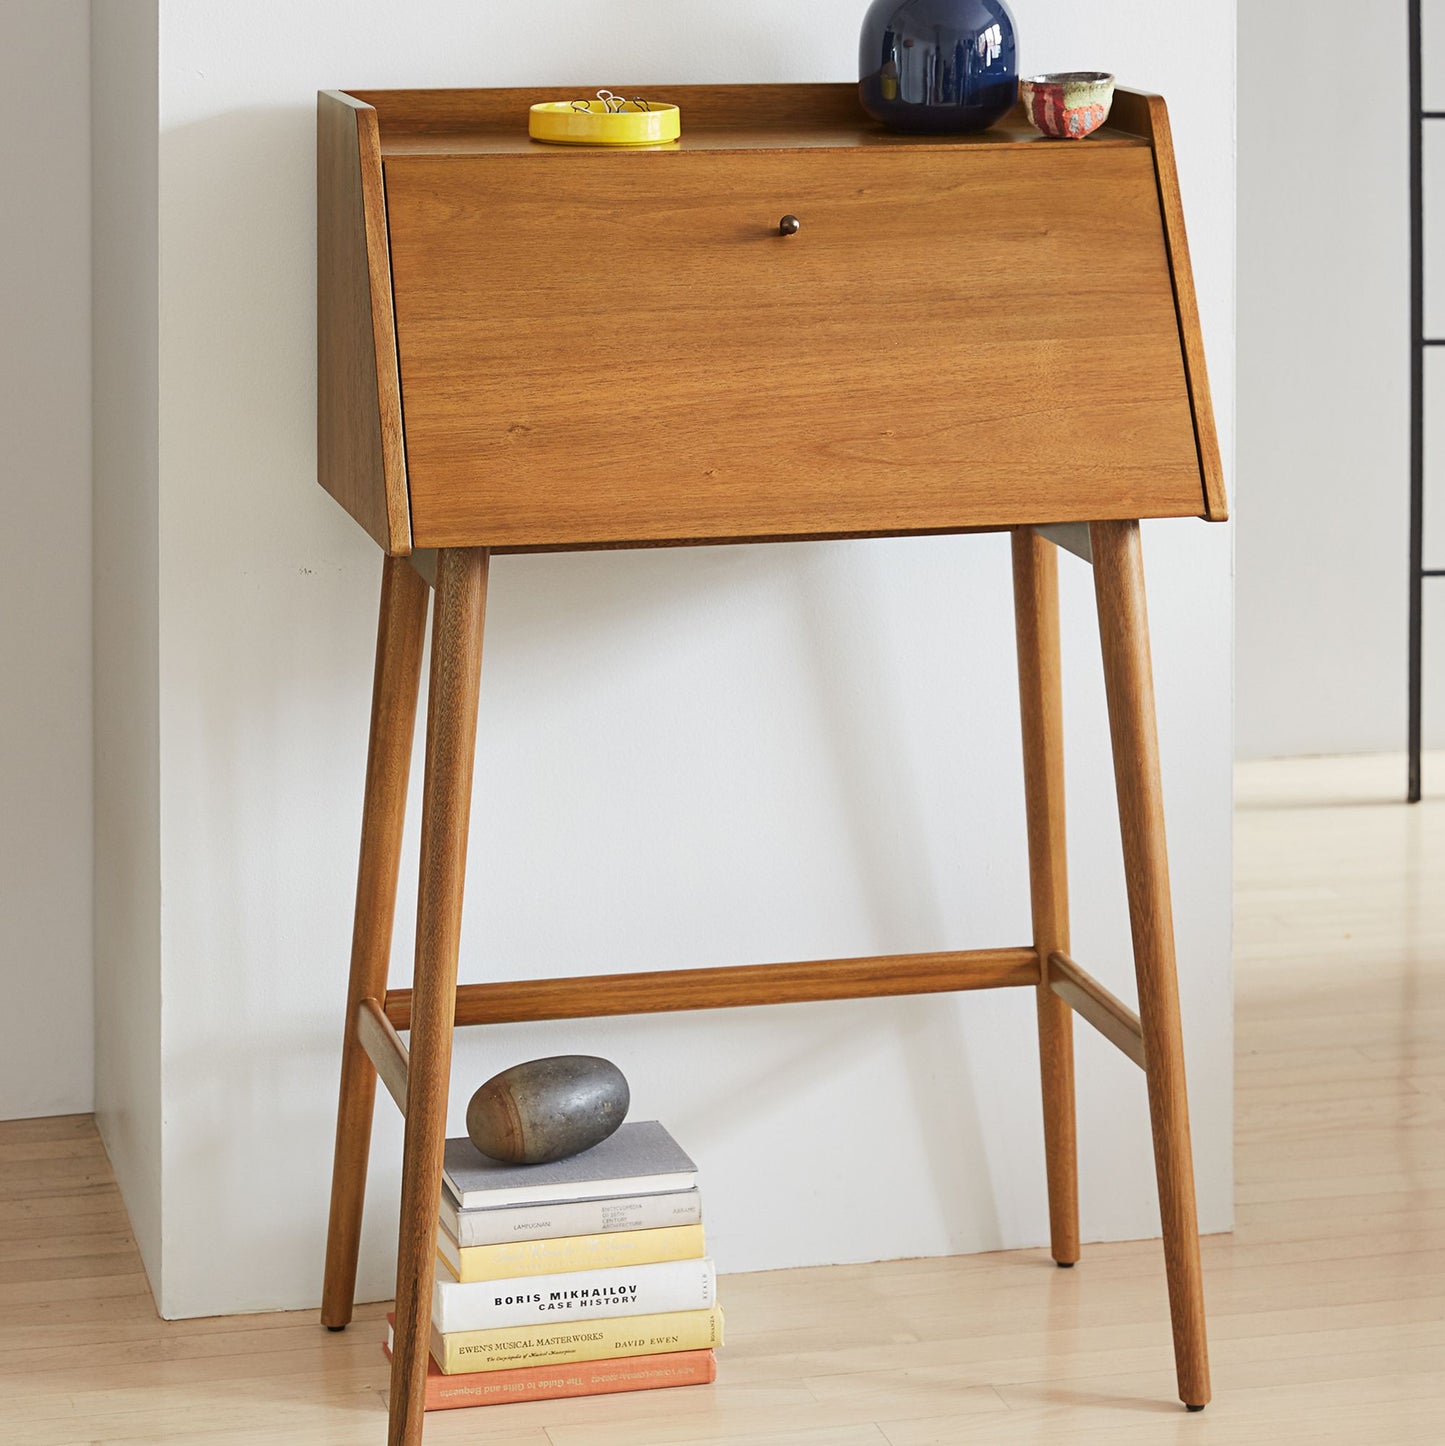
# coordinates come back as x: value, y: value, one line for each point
x: 567, y: 123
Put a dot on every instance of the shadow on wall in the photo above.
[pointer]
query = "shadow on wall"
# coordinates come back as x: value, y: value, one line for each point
x: 269, y: 885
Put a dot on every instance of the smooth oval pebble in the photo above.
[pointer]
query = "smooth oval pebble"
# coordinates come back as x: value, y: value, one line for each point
x: 548, y: 1109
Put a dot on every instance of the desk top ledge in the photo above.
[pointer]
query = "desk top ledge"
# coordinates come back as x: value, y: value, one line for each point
x: 714, y: 118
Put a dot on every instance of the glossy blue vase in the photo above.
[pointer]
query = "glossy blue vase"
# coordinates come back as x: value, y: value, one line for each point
x: 945, y: 66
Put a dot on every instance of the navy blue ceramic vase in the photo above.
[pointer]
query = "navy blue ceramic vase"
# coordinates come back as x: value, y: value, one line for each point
x: 945, y: 66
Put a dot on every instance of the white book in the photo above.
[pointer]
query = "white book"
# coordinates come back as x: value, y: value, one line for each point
x: 569, y: 1217
x: 573, y: 1295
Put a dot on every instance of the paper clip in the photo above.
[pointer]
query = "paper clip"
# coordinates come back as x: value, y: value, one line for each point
x: 612, y: 103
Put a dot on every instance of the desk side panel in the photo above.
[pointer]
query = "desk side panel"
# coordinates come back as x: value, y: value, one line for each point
x: 613, y: 347
x: 359, y: 456
x: 1144, y: 114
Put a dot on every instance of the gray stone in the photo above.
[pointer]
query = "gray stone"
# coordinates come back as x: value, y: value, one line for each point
x: 548, y: 1109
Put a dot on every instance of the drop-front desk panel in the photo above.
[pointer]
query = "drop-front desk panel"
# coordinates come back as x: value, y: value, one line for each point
x: 594, y: 347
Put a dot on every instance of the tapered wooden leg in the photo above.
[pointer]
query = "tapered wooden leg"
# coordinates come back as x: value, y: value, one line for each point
x: 451, y: 731
x: 1036, y: 618
x: 1128, y: 680
x: 399, y: 638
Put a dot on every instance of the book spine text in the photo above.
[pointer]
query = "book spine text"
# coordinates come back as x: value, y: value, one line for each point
x: 581, y: 1295
x: 595, y: 1340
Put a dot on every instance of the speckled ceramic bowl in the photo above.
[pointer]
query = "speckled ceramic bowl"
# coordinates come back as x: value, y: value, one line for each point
x: 1070, y: 104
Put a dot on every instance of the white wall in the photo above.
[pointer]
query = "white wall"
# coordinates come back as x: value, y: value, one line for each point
x: 1324, y: 480
x: 685, y: 757
x: 45, y: 713
x: 127, y: 742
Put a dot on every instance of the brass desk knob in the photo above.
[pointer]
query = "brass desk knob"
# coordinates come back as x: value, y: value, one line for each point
x: 789, y: 226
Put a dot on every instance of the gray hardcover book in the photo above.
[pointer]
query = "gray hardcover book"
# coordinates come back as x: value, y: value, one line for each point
x: 639, y: 1159
x: 552, y: 1218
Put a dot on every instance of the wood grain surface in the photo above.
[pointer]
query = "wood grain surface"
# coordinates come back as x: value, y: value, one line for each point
x: 1147, y: 115
x: 456, y: 659
x: 359, y: 452
x: 661, y: 991
x: 1129, y: 687
x: 626, y: 348
x: 713, y: 117
x: 400, y: 635
x: 1041, y: 710
x: 383, y: 1046
x: 1103, y: 1009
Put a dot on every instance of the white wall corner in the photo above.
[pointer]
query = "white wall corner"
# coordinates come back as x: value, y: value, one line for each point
x: 127, y: 923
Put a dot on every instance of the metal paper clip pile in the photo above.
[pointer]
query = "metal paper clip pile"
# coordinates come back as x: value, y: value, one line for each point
x: 614, y: 104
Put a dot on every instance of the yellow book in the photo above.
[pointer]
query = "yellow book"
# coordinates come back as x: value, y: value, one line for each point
x: 566, y: 1253
x: 578, y: 1340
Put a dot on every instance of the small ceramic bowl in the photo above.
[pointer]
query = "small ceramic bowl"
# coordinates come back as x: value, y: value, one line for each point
x: 1070, y: 104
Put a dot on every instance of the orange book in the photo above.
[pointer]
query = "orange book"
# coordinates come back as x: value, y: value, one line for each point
x: 586, y: 1378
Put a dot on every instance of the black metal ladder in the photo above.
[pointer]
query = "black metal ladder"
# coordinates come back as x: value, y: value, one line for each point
x: 1418, y: 344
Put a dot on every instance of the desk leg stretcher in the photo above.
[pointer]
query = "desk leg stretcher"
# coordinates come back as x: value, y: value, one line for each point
x: 418, y: 1078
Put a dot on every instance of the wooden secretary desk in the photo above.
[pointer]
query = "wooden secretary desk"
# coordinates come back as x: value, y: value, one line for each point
x: 534, y: 348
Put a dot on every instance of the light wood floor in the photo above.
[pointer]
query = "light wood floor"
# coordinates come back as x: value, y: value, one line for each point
x: 1327, y: 1306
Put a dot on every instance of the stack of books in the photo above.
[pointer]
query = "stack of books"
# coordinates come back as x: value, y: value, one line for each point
x: 576, y: 1278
